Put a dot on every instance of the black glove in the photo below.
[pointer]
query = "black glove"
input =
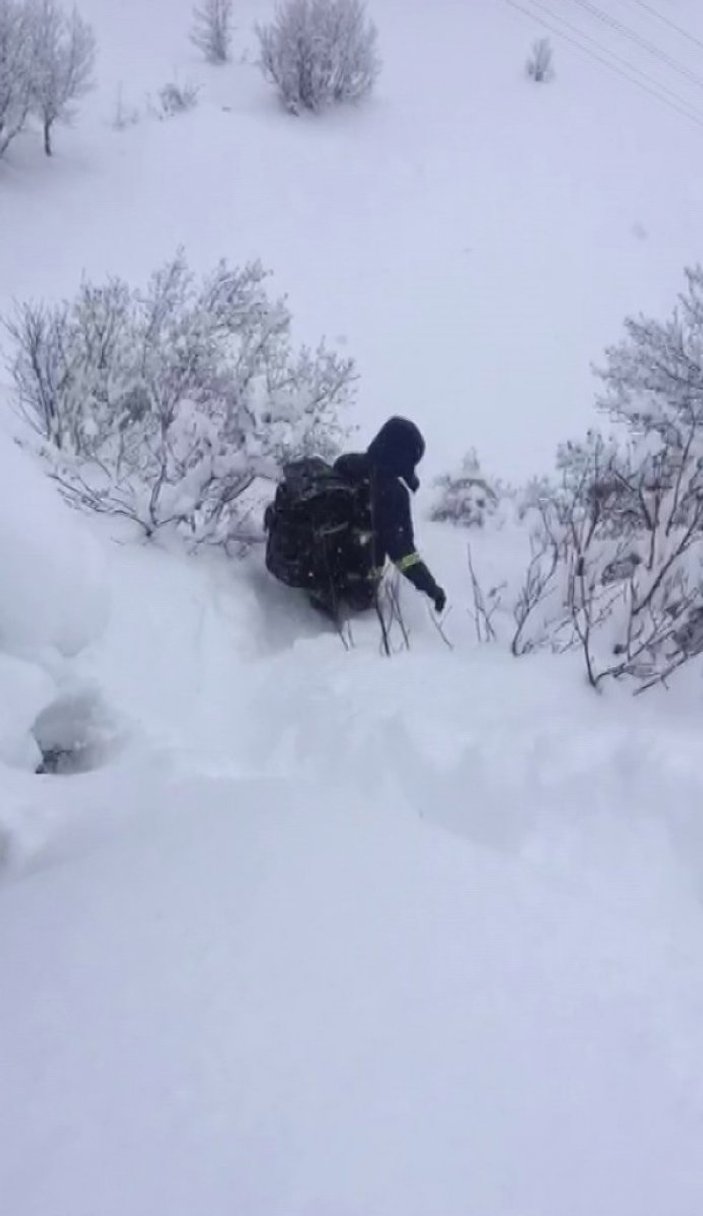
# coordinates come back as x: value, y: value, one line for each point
x: 439, y: 599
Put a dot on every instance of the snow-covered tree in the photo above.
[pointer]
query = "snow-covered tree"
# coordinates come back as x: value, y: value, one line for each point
x: 15, y: 70
x: 124, y: 115
x: 63, y: 59
x: 164, y: 404
x: 465, y: 497
x: 654, y: 378
x: 212, y: 29
x: 318, y: 52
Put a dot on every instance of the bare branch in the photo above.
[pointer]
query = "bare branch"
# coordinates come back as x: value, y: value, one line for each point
x: 483, y: 611
x: 318, y: 52
x: 63, y: 61
x: 212, y: 30
x: 15, y: 70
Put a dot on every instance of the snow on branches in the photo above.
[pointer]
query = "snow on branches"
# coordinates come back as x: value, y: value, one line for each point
x: 212, y: 30
x: 47, y: 58
x: 165, y: 404
x: 617, y: 536
x: 63, y: 58
x: 15, y: 70
x: 318, y: 52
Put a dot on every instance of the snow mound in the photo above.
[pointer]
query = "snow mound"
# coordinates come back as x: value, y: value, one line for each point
x: 76, y: 732
x: 53, y: 601
x: 24, y: 691
x: 293, y: 1002
x: 52, y: 594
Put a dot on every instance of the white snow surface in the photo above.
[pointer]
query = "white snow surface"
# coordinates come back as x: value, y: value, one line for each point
x: 25, y: 690
x: 52, y: 594
x: 318, y: 932
x: 53, y: 600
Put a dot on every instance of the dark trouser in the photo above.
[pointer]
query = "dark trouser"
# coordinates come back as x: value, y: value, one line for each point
x: 357, y: 595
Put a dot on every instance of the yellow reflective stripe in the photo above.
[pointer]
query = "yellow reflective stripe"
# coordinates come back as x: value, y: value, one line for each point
x: 406, y: 562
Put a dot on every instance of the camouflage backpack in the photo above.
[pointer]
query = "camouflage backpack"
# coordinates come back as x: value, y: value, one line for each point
x: 318, y: 528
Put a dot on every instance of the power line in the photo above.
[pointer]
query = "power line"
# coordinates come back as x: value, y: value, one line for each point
x: 687, y: 107
x: 649, y: 8
x: 658, y: 91
x: 638, y: 40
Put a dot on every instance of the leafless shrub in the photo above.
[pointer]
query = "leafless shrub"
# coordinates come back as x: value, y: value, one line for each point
x: 485, y: 604
x: 212, y: 30
x: 176, y: 98
x: 317, y: 52
x: 63, y: 61
x: 616, y: 569
x: 47, y: 57
x: 15, y: 70
x: 394, y: 632
x: 540, y: 64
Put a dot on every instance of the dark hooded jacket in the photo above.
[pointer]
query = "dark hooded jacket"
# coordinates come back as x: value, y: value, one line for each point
x: 388, y: 465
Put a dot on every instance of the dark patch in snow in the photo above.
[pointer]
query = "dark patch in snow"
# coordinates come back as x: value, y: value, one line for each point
x: 75, y: 734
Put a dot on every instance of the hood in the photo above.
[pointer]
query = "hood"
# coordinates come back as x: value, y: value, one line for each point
x: 397, y: 449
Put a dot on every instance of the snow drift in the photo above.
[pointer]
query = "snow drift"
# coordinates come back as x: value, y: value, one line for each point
x: 52, y: 594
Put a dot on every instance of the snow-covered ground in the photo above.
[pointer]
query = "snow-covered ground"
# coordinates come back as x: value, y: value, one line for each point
x: 321, y: 933
x: 474, y: 242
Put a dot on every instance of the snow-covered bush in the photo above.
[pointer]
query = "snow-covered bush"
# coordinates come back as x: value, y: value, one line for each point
x: 212, y: 29
x: 15, y: 70
x: 540, y: 64
x: 465, y: 497
x: 165, y: 404
x: 63, y: 59
x: 617, y: 563
x: 171, y: 99
x: 176, y: 98
x: 318, y: 52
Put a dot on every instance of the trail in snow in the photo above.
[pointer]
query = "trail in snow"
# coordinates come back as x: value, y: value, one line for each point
x: 334, y: 934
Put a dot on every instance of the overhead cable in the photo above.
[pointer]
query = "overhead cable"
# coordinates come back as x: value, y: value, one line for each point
x: 609, y: 59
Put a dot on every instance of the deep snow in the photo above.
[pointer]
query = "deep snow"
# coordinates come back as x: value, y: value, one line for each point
x: 320, y: 933
x: 472, y: 241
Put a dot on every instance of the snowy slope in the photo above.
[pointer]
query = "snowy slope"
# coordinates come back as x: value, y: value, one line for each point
x: 333, y: 934
x: 321, y: 933
x: 257, y: 1003
x: 475, y: 242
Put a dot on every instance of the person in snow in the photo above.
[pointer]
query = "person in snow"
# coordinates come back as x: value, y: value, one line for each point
x: 388, y: 467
